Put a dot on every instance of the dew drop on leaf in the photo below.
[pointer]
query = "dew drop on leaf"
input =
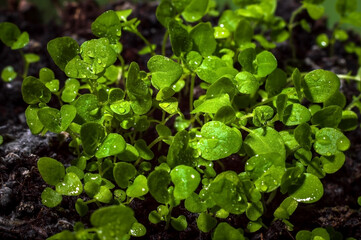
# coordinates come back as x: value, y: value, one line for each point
x: 343, y: 143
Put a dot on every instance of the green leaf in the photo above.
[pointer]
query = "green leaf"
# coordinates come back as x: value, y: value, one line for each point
x: 51, y: 170
x: 315, y: 11
x: 98, y: 54
x: 349, y: 121
x: 286, y: 208
x: 224, y: 231
x: 330, y: 141
x: 281, y: 103
x: 158, y: 182
x: 322, y: 40
x: 261, y: 115
x: 246, y: 58
x: 31, y: 58
x: 55, y: 120
x: 112, y: 145
x: 32, y: 119
x: 165, y: 72
x: 186, y: 181
x: 70, y: 90
x: 195, y: 204
x: 219, y: 141
x: 34, y: 91
x: 343, y: 7
x: 302, y: 135
x: 179, y: 38
x: 195, y: 10
x: 254, y: 226
x: 50, y: 198
x: 138, y: 230
x: 170, y: 105
x: 103, y: 195
x: 297, y: 81
x: 179, y: 223
x: 224, y: 85
x: 143, y: 149
x: 165, y: 12
x: 139, y: 187
x: 226, y: 191
x: 77, y: 68
x: 263, y: 141
x: 247, y: 83
x: 203, y: 38
x: 221, y: 33
x: 266, y: 170
x: 319, y: 85
x: 295, y: 114
x: 87, y: 109
x: 70, y: 186
x: 243, y: 33
x: 254, y: 210
x: 205, y: 222
x: 328, y: 117
x: 331, y: 164
x: 179, y: 152
x: 193, y: 60
x: 266, y: 63
x: 113, y: 221
x: 275, y: 82
x: 91, y: 135
x: 11, y: 36
x: 122, y: 173
x: 213, y: 68
x: 8, y: 74
x: 107, y: 25
x: 212, y: 105
x: 225, y: 114
x: 130, y: 154
x: 62, y: 50
x: 121, y: 107
x: 309, y: 191
x: 81, y: 207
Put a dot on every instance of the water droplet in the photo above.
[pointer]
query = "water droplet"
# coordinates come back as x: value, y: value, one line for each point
x: 343, y: 143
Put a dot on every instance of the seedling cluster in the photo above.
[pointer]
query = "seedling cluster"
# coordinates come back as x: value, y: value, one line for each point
x: 141, y: 133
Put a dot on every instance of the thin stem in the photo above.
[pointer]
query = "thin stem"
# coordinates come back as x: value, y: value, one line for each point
x: 355, y: 100
x: 191, y: 92
x: 26, y: 64
x: 136, y: 32
x: 164, y: 42
x: 291, y: 25
x: 122, y: 64
x: 246, y: 129
x: 355, y: 78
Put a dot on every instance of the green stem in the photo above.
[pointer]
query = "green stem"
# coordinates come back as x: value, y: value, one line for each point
x: 26, y: 64
x: 122, y: 64
x: 354, y: 102
x: 271, y: 197
x: 168, y: 217
x: 246, y: 129
x: 355, y: 78
x: 73, y: 136
x: 136, y: 32
x: 164, y: 42
x: 291, y: 25
x: 191, y: 92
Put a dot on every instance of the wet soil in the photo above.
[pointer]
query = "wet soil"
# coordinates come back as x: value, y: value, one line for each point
x: 22, y: 216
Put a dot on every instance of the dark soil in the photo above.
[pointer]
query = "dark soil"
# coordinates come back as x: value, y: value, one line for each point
x: 22, y: 216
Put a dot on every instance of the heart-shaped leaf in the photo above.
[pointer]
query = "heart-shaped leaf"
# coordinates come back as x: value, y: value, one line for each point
x: 139, y: 187
x: 165, y: 72
x: 70, y: 186
x: 51, y: 170
x: 112, y: 145
x: 186, y: 180
x: 50, y: 198
x: 219, y: 141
